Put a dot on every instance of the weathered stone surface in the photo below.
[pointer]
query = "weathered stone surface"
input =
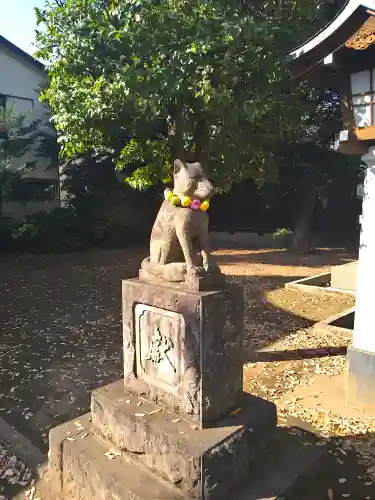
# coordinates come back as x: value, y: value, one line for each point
x: 207, y: 281
x: 205, y: 464
x: 88, y: 474
x: 183, y: 349
x: 179, y: 243
x: 57, y: 437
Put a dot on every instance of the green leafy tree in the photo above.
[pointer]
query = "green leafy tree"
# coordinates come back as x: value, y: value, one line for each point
x: 152, y: 80
x: 309, y: 169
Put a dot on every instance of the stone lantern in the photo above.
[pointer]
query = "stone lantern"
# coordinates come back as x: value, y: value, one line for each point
x: 342, y: 56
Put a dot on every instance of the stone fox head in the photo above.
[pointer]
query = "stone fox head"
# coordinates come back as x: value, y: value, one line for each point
x: 190, y: 179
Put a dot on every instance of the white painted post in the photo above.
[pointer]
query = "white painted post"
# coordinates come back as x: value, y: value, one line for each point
x: 364, y: 332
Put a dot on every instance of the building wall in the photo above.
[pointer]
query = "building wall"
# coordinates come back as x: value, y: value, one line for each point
x: 20, y: 82
x: 20, y: 210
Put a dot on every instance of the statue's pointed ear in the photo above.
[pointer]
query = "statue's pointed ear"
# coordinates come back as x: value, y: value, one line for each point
x: 196, y: 165
x: 178, y: 166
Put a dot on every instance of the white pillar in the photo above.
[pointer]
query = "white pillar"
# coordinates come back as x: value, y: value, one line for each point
x: 364, y: 331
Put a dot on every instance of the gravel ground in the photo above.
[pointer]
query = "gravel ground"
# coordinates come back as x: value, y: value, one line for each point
x: 14, y: 475
x: 60, y: 330
x: 60, y: 326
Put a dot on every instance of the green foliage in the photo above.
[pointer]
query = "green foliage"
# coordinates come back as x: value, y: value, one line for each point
x: 19, y: 135
x: 100, y: 212
x: 283, y: 238
x: 111, y: 209
x: 55, y: 231
x: 151, y: 80
x: 67, y: 230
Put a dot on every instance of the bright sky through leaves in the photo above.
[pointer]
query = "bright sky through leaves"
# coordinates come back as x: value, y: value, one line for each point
x: 18, y: 22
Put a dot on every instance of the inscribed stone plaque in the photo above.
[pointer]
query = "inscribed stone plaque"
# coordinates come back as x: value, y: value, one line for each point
x: 159, y: 340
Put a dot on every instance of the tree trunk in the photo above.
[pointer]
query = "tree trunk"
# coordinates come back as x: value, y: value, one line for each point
x: 202, y: 142
x: 176, y: 136
x: 302, y: 230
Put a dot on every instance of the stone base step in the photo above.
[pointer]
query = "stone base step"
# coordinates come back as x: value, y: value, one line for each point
x: 87, y: 474
x: 80, y: 469
x: 213, y: 461
x: 295, y: 468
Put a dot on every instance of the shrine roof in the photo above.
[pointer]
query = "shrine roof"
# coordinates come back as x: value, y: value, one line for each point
x: 335, y: 35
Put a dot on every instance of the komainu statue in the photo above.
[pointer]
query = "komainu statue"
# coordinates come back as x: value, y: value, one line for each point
x: 179, y: 244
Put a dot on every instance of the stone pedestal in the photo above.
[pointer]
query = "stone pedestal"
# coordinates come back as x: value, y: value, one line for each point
x: 179, y: 425
x: 361, y: 356
x: 183, y: 349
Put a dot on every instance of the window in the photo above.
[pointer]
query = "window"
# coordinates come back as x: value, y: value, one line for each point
x: 363, y: 95
x: 19, y: 105
x: 34, y: 190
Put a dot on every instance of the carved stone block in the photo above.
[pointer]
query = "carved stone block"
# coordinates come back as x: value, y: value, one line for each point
x: 160, y: 337
x: 183, y: 349
x: 205, y: 464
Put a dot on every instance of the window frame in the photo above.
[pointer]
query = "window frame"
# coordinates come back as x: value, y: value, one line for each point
x: 28, y: 184
x: 371, y: 104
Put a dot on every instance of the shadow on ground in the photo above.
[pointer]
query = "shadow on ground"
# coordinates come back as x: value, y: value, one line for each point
x: 297, y: 464
x: 340, y: 472
x: 60, y: 330
x: 296, y: 354
x: 317, y: 468
x: 60, y: 333
x: 263, y: 322
x: 323, y: 257
x: 272, y: 312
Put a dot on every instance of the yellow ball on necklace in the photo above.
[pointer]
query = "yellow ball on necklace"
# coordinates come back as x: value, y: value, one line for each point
x: 168, y: 193
x: 186, y: 201
x: 205, y: 205
x: 175, y: 200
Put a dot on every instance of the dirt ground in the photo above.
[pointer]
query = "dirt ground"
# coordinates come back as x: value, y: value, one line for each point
x: 60, y: 330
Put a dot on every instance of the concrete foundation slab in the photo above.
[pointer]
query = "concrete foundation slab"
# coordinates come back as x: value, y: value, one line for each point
x: 341, y: 279
x: 344, y: 277
x: 339, y: 325
x: 361, y: 379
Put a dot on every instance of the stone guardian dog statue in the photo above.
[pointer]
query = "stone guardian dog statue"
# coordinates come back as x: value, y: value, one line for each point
x: 179, y: 244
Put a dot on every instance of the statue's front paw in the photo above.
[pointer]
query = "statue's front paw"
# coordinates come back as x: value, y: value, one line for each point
x: 212, y: 268
x: 195, y: 272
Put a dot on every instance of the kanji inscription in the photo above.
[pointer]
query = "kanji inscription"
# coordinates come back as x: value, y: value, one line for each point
x: 159, y: 348
x: 160, y: 338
